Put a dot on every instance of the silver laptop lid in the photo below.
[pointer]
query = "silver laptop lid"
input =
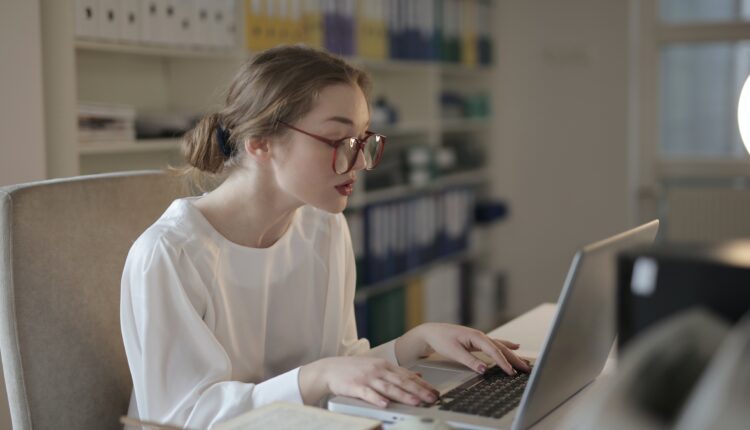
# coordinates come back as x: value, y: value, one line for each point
x: 583, y: 330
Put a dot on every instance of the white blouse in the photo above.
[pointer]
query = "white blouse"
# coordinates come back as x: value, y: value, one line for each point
x: 213, y: 329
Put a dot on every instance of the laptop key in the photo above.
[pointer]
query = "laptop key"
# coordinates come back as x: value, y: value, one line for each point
x: 493, y: 394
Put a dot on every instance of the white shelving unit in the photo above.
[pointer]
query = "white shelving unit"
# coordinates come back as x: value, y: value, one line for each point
x: 159, y: 78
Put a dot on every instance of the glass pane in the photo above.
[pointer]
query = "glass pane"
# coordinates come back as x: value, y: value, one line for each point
x: 700, y: 88
x: 692, y: 11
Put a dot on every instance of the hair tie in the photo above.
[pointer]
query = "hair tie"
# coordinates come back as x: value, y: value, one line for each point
x: 222, y: 136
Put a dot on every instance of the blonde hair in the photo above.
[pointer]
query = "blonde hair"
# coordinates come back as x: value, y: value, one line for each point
x: 279, y: 84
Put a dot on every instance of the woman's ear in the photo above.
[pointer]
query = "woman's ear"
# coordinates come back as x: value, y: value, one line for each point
x: 257, y: 148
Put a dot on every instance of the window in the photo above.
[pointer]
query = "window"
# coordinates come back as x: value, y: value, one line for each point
x: 703, y: 49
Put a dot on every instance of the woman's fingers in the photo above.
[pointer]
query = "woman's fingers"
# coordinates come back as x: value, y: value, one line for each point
x: 463, y: 356
x: 395, y: 392
x: 409, y: 382
x: 516, y: 361
x: 487, y: 346
x: 368, y: 394
x: 507, y: 343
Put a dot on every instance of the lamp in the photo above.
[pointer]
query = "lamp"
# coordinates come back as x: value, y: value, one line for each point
x: 743, y: 114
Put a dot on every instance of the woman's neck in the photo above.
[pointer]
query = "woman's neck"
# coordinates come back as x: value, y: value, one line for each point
x: 248, y: 210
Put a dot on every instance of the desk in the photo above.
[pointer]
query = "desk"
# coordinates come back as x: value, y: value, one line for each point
x: 530, y: 330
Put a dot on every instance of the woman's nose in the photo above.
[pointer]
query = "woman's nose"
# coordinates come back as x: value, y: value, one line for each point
x: 359, y: 163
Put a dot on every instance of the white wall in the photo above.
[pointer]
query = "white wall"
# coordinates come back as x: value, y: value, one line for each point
x: 560, y: 156
x: 22, y: 156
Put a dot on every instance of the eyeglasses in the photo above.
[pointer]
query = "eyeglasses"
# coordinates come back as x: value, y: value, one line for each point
x: 346, y: 150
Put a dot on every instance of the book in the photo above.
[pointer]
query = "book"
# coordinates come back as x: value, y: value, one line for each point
x: 281, y: 415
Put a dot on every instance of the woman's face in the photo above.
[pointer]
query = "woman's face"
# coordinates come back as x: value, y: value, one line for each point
x: 303, y: 165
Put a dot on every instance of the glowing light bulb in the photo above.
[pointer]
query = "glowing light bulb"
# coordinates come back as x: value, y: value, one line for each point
x: 743, y: 114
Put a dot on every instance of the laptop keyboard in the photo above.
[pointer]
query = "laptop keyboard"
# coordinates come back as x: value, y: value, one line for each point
x: 492, y: 394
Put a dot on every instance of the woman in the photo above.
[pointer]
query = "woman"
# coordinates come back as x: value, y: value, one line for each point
x: 244, y: 296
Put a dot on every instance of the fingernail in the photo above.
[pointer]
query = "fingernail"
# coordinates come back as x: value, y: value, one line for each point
x: 481, y: 368
x: 432, y: 398
x: 383, y: 403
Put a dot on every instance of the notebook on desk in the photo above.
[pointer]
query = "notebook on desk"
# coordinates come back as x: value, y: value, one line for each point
x: 573, y: 354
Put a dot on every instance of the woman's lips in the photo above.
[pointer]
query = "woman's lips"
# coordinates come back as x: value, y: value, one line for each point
x: 345, y: 189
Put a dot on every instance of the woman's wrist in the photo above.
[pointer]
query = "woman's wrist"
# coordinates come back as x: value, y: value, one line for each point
x: 412, y: 345
x: 312, y: 382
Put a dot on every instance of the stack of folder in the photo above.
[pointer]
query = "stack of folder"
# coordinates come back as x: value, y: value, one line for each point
x: 397, y: 236
x: 427, y: 30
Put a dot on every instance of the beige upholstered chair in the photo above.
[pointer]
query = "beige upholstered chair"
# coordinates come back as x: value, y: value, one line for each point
x: 63, y: 245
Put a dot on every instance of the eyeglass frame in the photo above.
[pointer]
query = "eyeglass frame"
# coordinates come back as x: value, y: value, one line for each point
x: 336, y: 143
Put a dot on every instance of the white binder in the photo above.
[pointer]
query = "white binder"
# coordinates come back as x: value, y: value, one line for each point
x: 169, y: 28
x: 202, y: 23
x: 87, y: 19
x: 185, y: 22
x: 130, y: 20
x: 151, y: 10
x: 109, y: 20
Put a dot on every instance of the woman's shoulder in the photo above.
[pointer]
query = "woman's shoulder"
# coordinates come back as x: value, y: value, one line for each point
x: 172, y: 231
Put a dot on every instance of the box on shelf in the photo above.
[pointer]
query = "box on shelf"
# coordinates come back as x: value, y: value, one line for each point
x: 105, y: 122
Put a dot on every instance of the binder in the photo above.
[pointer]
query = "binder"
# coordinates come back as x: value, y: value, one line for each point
x: 283, y: 32
x: 361, y: 316
x: 331, y: 27
x: 437, y: 31
x: 394, y: 28
x: 109, y: 20
x: 184, y: 15
x: 87, y: 19
x: 202, y: 23
x: 469, y: 32
x: 130, y: 22
x: 364, y: 28
x: 313, y: 23
x: 386, y: 317
x: 414, y: 303
x: 271, y: 25
x: 484, y: 33
x: 296, y: 28
x: 347, y: 27
x: 168, y: 27
x: 442, y: 294
x: 380, y: 30
x: 150, y: 21
x: 230, y: 29
x: 254, y: 24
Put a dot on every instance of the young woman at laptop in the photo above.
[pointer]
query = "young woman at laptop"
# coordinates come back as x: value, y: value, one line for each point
x: 244, y: 295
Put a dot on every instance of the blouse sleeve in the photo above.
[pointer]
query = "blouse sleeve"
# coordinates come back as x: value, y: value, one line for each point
x: 181, y: 373
x: 350, y: 344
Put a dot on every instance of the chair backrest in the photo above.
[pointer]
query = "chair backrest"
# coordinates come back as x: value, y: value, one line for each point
x: 63, y: 245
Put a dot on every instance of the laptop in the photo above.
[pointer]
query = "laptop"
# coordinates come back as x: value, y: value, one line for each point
x: 573, y: 354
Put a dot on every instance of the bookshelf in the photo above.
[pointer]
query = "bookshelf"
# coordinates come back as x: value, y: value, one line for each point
x: 188, y: 79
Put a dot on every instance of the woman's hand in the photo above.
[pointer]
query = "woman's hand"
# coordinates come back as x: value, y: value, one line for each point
x: 457, y: 342
x: 375, y: 380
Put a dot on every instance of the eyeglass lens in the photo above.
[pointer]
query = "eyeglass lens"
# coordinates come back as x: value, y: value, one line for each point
x: 347, y: 153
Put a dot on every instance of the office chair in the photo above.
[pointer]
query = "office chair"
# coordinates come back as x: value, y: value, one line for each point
x: 63, y: 245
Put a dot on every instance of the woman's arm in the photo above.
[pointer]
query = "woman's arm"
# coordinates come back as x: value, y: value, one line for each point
x: 181, y: 373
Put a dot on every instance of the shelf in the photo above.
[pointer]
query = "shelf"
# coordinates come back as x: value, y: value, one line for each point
x: 146, y: 145
x: 161, y: 51
x: 397, y: 281
x: 406, y: 128
x: 474, y: 177
x: 463, y: 125
x: 462, y: 70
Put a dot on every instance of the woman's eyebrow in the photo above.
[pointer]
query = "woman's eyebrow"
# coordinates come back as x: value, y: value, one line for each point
x: 341, y: 119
